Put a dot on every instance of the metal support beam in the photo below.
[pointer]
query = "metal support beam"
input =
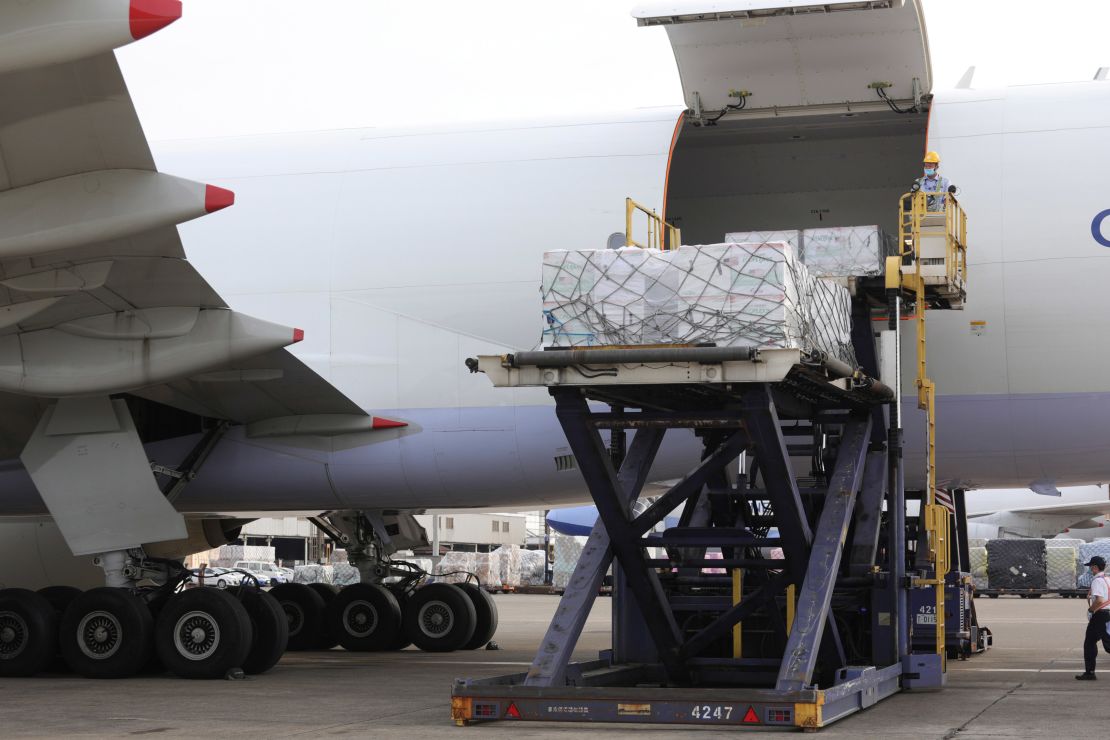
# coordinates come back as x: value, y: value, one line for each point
x: 551, y: 661
x: 815, y: 597
x: 729, y: 450
x: 869, y: 511
x: 782, y: 488
x: 597, y: 470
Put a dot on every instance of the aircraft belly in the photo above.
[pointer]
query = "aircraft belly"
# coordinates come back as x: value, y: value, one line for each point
x: 1012, y: 441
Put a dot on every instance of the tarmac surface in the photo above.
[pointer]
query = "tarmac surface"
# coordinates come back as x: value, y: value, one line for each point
x: 1021, y: 688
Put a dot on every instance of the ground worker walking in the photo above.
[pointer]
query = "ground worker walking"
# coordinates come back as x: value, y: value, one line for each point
x: 1098, y: 612
x: 933, y: 182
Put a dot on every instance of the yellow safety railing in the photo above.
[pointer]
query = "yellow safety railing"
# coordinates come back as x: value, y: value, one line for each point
x: 931, y: 210
x: 660, y: 234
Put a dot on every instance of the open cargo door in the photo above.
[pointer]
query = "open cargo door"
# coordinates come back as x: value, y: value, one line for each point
x: 794, y: 54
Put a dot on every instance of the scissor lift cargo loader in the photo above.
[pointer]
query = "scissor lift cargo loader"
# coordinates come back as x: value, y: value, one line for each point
x: 797, y: 641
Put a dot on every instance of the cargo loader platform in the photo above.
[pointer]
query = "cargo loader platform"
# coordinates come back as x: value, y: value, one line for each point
x: 800, y: 640
x: 820, y: 598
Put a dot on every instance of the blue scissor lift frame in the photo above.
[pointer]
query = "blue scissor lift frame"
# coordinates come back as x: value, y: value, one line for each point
x: 676, y: 655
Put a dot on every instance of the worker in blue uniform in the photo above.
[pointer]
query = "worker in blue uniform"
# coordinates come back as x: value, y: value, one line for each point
x: 933, y: 182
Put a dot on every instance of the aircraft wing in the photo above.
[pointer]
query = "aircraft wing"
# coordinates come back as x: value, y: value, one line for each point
x: 1080, y: 511
x: 96, y: 294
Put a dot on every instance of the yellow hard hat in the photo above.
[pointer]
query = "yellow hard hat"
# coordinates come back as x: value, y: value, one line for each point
x: 932, y: 158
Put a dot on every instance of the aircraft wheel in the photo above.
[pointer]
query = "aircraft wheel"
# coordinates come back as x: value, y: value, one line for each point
x: 106, y: 633
x: 203, y: 633
x: 326, y: 638
x: 401, y: 638
x: 28, y: 632
x: 364, y: 617
x: 440, y: 618
x: 486, y: 610
x: 304, y: 614
x: 59, y: 598
x: 269, y: 627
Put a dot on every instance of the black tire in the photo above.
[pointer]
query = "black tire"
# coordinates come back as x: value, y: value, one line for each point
x: 60, y: 597
x: 304, y: 614
x: 364, y: 617
x: 221, y: 584
x: 440, y: 618
x: 202, y: 633
x: 106, y: 633
x: 326, y: 638
x: 269, y: 626
x: 401, y: 640
x: 28, y: 632
x: 486, y: 612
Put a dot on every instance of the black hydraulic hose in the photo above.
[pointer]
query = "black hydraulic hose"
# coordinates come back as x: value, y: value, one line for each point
x: 566, y: 357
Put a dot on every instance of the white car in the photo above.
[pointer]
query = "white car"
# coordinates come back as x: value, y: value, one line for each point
x: 267, y: 574
x: 218, y: 577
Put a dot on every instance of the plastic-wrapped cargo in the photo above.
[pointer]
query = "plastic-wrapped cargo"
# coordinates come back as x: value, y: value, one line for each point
x: 455, y: 566
x: 533, y: 564
x: 567, y: 551
x: 758, y: 295
x: 228, y: 555
x: 977, y: 557
x: 344, y: 574
x: 976, y: 542
x: 1017, y: 564
x: 793, y: 237
x: 506, y: 561
x: 488, y: 570
x: 314, y: 574
x: 1061, y: 566
x: 846, y: 251
x: 1087, y: 551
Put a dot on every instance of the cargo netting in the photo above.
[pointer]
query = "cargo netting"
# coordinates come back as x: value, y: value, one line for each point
x: 757, y: 295
x: 1087, y: 551
x: 1017, y: 564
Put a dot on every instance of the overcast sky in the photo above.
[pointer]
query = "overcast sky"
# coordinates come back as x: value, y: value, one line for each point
x: 251, y: 66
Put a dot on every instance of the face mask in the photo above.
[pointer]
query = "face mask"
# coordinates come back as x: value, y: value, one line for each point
x: 930, y: 171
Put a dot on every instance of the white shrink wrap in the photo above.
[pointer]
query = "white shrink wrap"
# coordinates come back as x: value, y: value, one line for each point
x: 1087, y: 551
x: 533, y: 564
x: 793, y: 237
x: 344, y: 574
x: 757, y: 295
x: 567, y: 551
x: 846, y: 251
x: 978, y: 561
x: 455, y: 566
x: 488, y: 570
x: 506, y: 561
x: 1061, y: 562
x: 313, y: 574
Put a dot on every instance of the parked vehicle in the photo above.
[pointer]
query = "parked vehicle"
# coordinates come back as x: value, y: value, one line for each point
x: 267, y: 574
x: 219, y: 577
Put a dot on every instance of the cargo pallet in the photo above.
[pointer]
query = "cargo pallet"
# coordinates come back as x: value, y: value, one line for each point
x: 1033, y: 593
x: 800, y: 641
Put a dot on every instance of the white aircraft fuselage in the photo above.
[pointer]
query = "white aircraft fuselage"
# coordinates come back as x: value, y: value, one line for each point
x: 401, y: 253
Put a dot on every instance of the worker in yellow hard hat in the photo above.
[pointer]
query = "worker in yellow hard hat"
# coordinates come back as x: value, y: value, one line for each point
x: 933, y: 182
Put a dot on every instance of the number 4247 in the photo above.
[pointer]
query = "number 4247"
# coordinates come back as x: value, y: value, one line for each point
x: 704, y: 711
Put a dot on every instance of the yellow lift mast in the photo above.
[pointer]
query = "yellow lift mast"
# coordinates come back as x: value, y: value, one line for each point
x: 932, y: 270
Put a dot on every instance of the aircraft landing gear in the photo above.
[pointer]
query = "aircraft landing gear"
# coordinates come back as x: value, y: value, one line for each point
x: 28, y: 632
x: 106, y: 632
x: 203, y: 633
x: 389, y: 608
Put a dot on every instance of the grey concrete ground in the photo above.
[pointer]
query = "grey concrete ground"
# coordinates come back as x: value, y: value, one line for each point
x: 1022, y: 688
